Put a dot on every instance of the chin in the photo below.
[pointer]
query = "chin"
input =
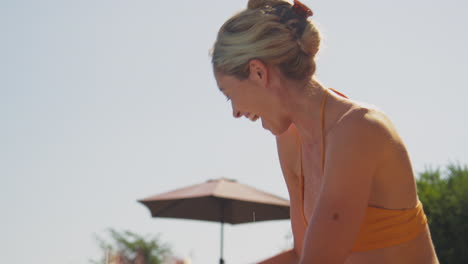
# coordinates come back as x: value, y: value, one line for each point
x: 277, y: 130
x: 273, y: 132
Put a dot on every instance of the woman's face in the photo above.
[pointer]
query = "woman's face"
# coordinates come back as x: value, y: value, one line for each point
x: 252, y: 100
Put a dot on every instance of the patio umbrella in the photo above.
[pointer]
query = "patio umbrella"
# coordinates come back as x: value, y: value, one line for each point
x: 221, y: 200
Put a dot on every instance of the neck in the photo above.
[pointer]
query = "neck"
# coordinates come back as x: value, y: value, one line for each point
x: 304, y: 108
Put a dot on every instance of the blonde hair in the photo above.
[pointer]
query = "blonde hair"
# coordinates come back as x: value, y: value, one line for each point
x: 271, y: 31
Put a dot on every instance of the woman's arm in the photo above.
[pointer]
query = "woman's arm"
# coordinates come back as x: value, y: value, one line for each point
x: 356, y: 148
x: 288, y: 153
x: 286, y: 257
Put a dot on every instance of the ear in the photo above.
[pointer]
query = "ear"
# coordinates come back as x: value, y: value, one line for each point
x: 258, y: 72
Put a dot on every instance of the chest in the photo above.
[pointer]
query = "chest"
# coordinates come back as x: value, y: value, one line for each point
x: 311, y: 154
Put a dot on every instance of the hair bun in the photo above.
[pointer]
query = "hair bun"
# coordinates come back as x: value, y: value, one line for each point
x: 254, y: 4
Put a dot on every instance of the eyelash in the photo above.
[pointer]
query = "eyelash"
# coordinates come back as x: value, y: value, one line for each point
x: 228, y: 99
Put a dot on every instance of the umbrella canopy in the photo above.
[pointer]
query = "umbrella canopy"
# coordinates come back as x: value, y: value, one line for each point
x: 221, y: 200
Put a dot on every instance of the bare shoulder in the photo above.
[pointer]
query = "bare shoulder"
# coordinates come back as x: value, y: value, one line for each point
x: 364, y: 130
x: 356, y: 148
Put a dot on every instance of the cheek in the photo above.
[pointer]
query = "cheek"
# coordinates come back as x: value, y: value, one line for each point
x: 241, y: 104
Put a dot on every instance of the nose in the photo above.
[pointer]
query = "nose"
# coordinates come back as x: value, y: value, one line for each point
x: 238, y: 113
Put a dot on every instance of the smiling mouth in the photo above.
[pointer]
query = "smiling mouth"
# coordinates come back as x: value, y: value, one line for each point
x: 252, y: 118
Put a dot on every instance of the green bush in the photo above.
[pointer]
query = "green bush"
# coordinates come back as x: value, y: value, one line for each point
x: 445, y: 198
x: 129, y: 245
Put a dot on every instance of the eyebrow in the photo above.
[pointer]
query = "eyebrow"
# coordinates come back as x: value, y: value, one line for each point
x: 220, y: 88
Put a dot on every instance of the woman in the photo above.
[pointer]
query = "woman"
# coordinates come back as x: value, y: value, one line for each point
x: 352, y: 191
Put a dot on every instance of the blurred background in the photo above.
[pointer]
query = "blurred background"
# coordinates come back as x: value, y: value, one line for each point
x: 105, y: 102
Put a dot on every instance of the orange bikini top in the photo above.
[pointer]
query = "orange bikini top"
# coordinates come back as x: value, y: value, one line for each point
x: 381, y: 227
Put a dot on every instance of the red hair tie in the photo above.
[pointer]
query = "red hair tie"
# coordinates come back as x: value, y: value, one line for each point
x: 302, y: 9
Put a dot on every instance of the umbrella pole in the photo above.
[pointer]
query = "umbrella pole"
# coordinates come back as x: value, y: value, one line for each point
x: 221, y: 260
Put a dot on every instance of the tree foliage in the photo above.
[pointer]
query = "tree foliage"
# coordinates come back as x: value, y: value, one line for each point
x: 445, y: 198
x: 130, y: 246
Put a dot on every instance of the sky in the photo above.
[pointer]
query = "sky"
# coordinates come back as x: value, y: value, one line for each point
x: 106, y: 102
